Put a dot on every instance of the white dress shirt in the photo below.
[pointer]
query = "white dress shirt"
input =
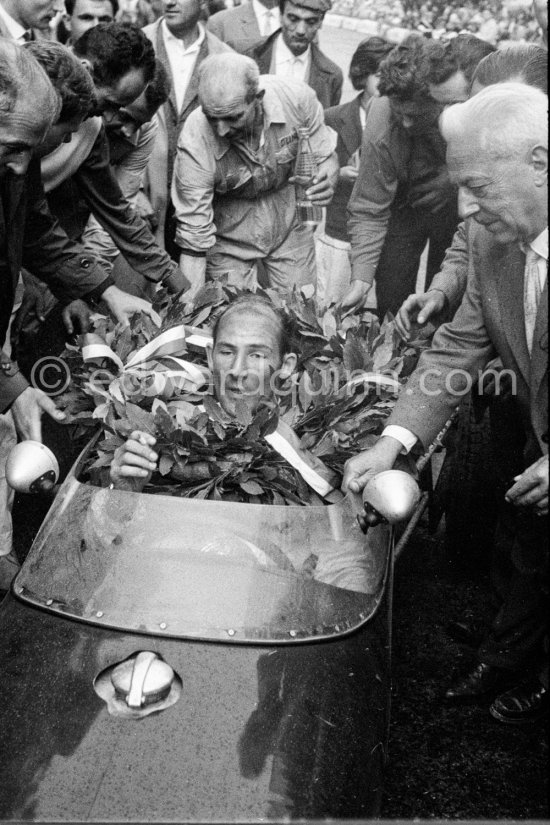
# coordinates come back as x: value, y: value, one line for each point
x: 182, y: 61
x: 268, y: 19
x: 535, y: 274
x: 287, y: 65
x: 15, y: 29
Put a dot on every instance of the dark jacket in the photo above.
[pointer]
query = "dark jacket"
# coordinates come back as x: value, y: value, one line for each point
x: 30, y: 237
x: 325, y: 77
x: 94, y: 189
x: 346, y: 122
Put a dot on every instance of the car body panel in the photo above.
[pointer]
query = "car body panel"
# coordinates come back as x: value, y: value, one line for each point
x: 277, y: 732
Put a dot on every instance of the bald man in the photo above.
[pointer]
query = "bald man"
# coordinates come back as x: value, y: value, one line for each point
x: 233, y: 189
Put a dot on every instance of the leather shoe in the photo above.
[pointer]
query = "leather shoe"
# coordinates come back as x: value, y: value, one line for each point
x: 522, y: 704
x: 483, y: 680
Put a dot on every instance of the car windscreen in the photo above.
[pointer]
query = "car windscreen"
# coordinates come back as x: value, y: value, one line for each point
x: 226, y: 571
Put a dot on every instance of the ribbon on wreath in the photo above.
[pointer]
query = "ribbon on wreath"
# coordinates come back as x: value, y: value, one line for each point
x: 151, y: 361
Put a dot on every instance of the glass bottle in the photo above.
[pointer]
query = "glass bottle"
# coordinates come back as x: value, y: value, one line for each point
x: 305, y: 169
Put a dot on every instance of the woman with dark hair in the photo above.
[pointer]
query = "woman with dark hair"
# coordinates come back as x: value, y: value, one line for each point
x: 348, y: 120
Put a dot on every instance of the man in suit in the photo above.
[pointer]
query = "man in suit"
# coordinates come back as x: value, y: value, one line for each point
x: 181, y: 43
x: 498, y: 155
x: 242, y: 27
x: 81, y: 15
x: 292, y: 52
x: 23, y: 20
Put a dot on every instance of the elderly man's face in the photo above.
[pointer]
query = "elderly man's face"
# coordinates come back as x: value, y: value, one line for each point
x: 36, y: 14
x: 236, y: 122
x: 503, y: 195
x: 87, y: 14
x: 245, y: 358
x: 299, y: 27
x: 20, y: 133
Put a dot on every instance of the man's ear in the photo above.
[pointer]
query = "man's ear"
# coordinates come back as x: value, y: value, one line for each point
x: 539, y: 162
x: 289, y: 365
x: 209, y: 356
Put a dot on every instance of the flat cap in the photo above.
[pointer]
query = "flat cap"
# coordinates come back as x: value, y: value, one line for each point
x: 319, y: 6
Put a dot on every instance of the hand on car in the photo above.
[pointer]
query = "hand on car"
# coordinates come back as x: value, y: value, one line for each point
x: 417, y: 310
x: 531, y: 488
x: 27, y: 410
x: 134, y: 460
x: 37, y: 302
x: 359, y: 469
x: 123, y: 305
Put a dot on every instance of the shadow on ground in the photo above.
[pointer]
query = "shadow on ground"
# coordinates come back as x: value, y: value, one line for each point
x: 449, y: 761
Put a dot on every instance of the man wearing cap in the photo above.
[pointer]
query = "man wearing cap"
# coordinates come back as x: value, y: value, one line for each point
x: 332, y: 247
x: 233, y: 189
x: 292, y: 53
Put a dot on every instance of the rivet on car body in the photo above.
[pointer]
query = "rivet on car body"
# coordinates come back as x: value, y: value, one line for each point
x: 49, y: 602
x: 292, y: 633
x: 163, y: 625
x: 230, y: 632
x: 99, y: 614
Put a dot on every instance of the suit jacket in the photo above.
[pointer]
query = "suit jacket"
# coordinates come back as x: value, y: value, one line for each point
x: 238, y: 27
x: 489, y: 322
x: 346, y: 122
x: 31, y: 238
x: 325, y: 77
x: 158, y: 178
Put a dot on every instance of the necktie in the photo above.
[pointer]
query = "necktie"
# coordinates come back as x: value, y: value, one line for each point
x: 532, y: 289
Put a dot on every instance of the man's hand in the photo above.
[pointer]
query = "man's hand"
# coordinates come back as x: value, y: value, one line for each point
x: 349, y: 172
x: 531, y: 488
x: 321, y: 190
x: 417, y: 310
x: 37, y: 302
x: 355, y: 297
x: 123, y: 305
x: 433, y: 195
x: 145, y: 210
x: 76, y: 317
x: 135, y: 460
x: 176, y: 282
x: 27, y: 412
x: 360, y: 468
x: 194, y: 269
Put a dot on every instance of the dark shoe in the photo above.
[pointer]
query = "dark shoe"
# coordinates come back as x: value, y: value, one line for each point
x: 483, y: 680
x: 522, y: 704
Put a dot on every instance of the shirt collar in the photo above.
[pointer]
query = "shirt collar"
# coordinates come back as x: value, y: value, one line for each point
x: 539, y: 245
x: 169, y: 37
x: 284, y: 54
x: 260, y: 11
x: 15, y: 29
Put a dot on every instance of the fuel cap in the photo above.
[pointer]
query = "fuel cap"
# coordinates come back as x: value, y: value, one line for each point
x: 392, y: 495
x: 142, y: 680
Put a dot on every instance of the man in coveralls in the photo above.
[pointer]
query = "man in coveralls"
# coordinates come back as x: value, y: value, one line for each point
x: 233, y: 189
